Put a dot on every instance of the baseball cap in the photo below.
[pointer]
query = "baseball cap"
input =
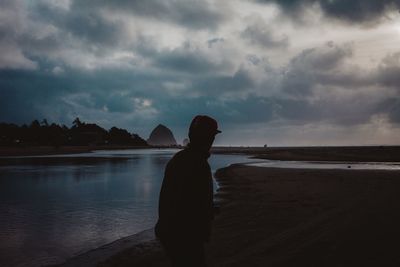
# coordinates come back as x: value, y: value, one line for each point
x: 204, y: 124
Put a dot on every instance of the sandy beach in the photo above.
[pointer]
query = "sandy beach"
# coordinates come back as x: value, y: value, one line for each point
x: 281, y: 217
x: 291, y: 217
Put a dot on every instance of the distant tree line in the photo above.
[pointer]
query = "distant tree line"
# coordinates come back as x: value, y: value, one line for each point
x: 80, y: 134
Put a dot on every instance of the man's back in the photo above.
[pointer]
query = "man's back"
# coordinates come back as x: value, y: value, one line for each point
x: 186, y: 198
x: 185, y: 205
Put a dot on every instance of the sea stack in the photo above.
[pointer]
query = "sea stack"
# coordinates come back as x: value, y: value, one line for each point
x: 185, y: 142
x: 161, y: 136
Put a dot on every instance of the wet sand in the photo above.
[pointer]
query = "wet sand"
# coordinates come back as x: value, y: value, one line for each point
x: 282, y: 217
x: 293, y: 217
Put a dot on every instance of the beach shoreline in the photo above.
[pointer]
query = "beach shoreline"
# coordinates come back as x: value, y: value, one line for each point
x: 292, y: 217
x: 317, y: 153
x: 51, y: 150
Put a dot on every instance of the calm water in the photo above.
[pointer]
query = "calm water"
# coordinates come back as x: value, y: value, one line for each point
x: 54, y: 207
x: 393, y: 166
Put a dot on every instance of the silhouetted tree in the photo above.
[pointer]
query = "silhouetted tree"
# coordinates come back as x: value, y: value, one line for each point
x: 139, y: 141
x: 35, y: 124
x: 77, y: 122
x: 119, y: 136
x: 80, y: 133
x: 45, y: 123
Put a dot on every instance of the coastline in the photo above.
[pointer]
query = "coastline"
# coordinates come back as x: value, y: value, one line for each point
x: 51, y: 150
x: 349, y: 153
x: 287, y: 217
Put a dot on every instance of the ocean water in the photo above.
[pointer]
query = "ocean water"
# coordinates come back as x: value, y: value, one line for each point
x: 55, y: 207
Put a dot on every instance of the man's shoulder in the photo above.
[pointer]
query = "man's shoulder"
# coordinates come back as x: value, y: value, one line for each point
x: 181, y: 156
x: 180, y: 162
x: 187, y: 156
x: 189, y: 159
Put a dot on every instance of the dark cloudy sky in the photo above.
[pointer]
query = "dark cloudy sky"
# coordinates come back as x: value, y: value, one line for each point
x: 313, y: 72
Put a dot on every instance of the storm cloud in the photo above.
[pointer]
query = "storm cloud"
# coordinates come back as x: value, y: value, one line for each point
x: 187, y: 13
x: 258, y: 33
x: 134, y: 64
x: 355, y: 11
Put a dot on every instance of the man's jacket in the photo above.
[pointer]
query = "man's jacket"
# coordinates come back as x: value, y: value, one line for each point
x: 186, y: 197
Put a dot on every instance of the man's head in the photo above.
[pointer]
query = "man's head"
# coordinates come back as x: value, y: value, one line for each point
x: 202, y: 131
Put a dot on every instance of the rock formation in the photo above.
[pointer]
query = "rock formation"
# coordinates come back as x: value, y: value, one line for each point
x: 185, y: 142
x: 161, y: 136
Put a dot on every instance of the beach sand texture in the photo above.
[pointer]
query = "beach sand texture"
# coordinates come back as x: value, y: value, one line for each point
x: 296, y: 217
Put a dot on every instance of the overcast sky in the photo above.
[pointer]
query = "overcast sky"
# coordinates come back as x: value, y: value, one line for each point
x: 313, y: 72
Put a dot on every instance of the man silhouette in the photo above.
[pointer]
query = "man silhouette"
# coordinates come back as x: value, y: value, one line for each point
x: 186, y: 197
